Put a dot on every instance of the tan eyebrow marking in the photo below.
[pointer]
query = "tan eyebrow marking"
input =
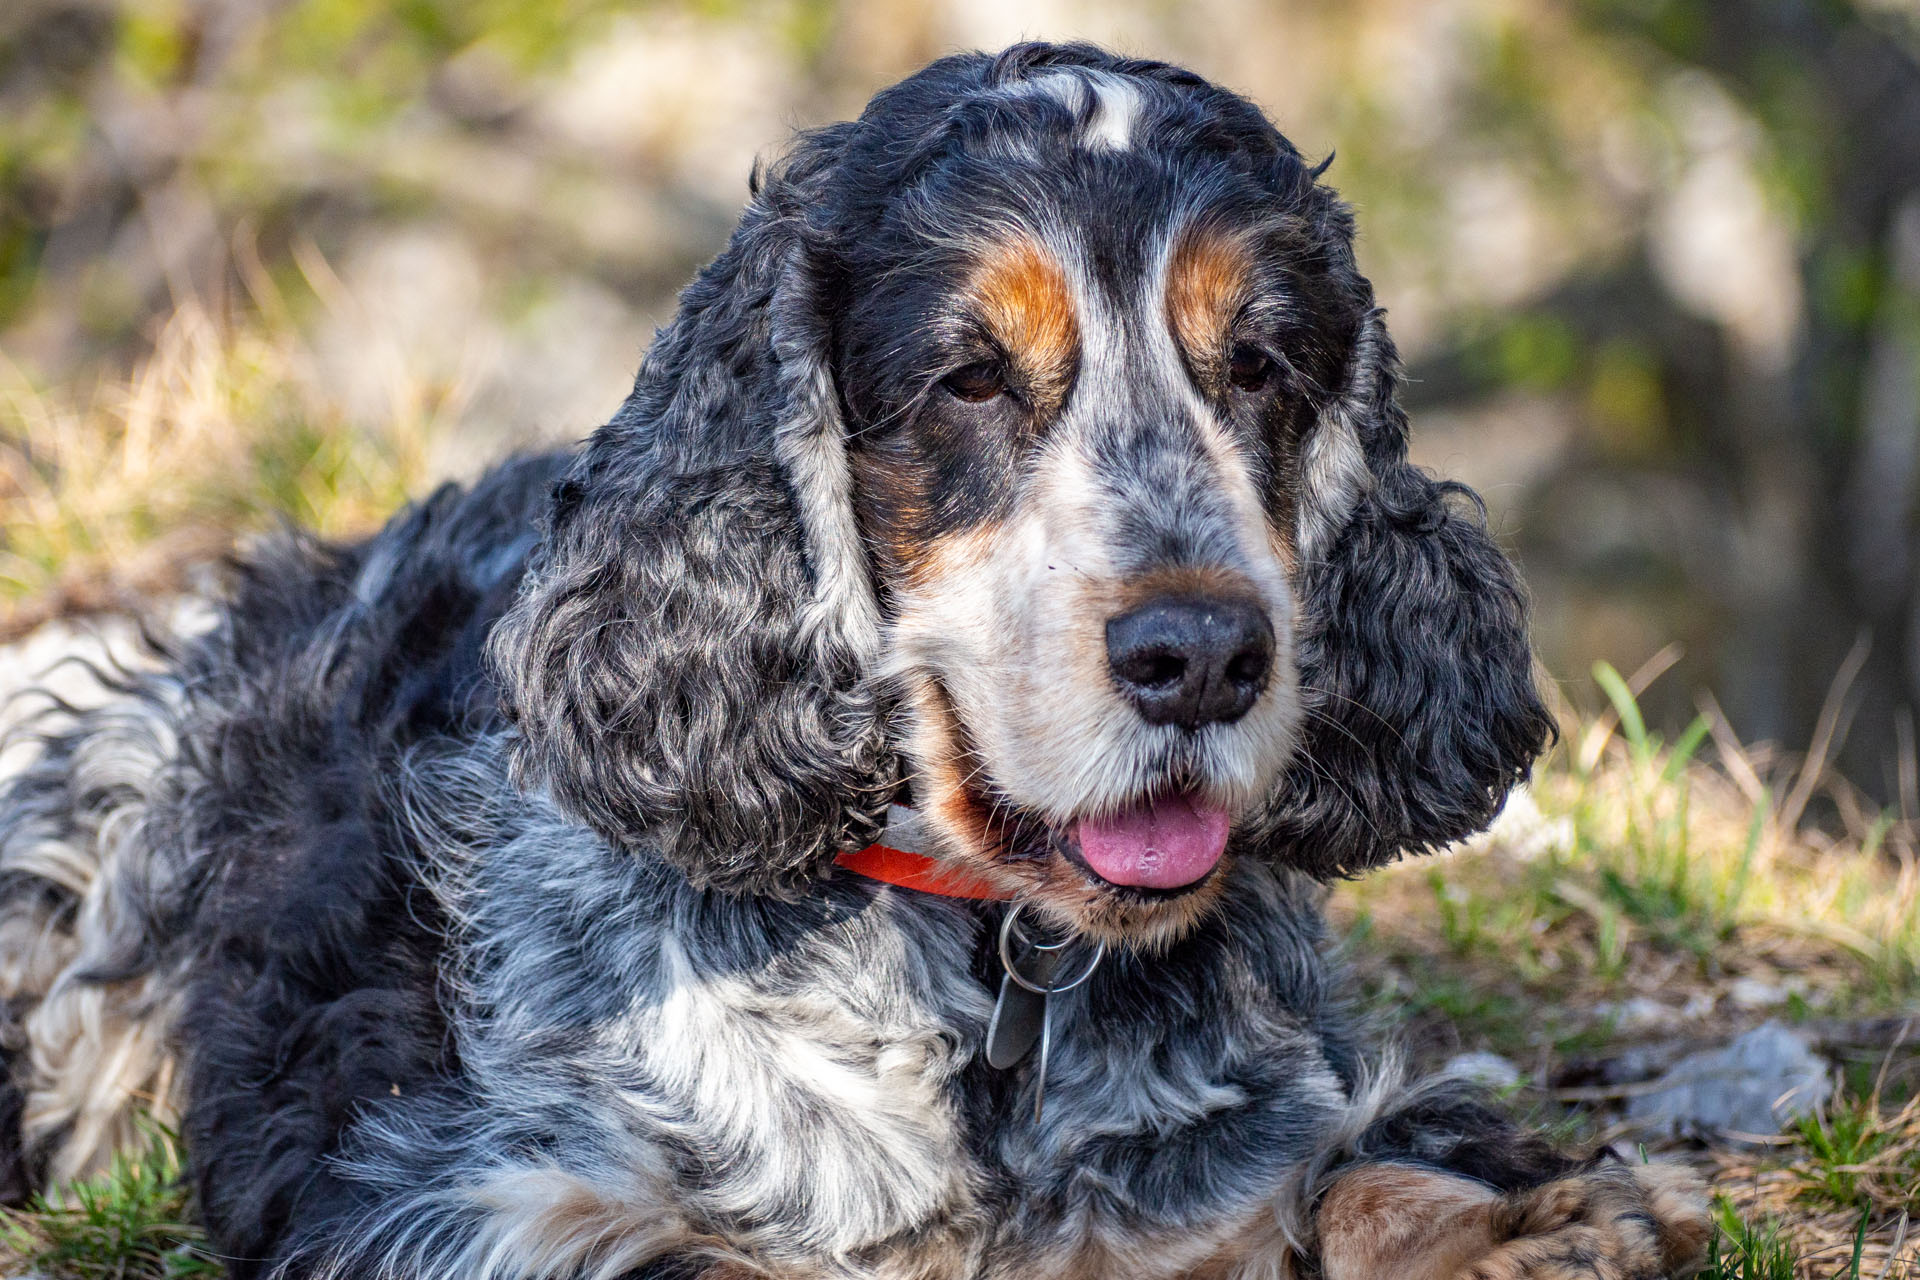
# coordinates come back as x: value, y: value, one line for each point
x: 1022, y: 294
x: 1208, y: 275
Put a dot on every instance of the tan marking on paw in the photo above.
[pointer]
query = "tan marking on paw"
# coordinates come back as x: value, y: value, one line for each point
x: 1616, y: 1222
x: 1411, y: 1224
x: 1677, y: 1197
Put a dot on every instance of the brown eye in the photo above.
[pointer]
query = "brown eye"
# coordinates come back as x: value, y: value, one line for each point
x: 1249, y: 368
x: 976, y: 383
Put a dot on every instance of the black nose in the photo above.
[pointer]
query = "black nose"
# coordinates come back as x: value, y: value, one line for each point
x: 1191, y: 661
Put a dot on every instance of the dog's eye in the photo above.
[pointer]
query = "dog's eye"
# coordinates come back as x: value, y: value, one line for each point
x: 976, y: 383
x: 1249, y: 368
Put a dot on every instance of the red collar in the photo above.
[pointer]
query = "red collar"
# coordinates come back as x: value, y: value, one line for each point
x: 894, y: 859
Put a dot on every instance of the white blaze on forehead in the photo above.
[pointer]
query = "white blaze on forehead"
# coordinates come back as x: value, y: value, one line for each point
x: 1116, y: 104
x: 1112, y: 123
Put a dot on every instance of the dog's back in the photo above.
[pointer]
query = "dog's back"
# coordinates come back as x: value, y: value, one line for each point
x: 247, y: 775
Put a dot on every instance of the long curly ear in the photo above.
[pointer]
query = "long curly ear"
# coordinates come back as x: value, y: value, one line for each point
x: 687, y: 660
x: 1414, y: 661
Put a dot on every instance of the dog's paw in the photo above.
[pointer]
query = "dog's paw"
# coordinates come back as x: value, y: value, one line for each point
x: 1616, y: 1222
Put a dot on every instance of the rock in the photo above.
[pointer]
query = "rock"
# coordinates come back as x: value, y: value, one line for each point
x: 1488, y: 1069
x: 1637, y: 1013
x: 1641, y: 1062
x: 1754, y: 993
x: 1755, y: 1085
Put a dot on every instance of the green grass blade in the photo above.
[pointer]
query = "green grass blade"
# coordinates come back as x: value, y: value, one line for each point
x: 1633, y: 725
x: 1683, y: 749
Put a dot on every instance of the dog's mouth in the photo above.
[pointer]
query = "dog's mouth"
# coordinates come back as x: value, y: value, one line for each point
x: 1138, y: 872
x: 1161, y: 847
x: 1168, y: 843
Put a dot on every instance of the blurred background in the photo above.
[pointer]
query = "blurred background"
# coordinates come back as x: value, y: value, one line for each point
x: 1654, y: 264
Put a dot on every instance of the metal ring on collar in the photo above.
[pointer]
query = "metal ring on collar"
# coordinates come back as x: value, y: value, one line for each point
x: 1035, y: 943
x: 1006, y: 958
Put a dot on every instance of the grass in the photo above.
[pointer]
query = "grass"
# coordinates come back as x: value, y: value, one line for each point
x: 1742, y: 1250
x: 130, y: 1222
x: 1835, y: 1198
x: 1857, y: 1154
x: 1644, y: 893
x: 227, y: 425
x: 1639, y: 887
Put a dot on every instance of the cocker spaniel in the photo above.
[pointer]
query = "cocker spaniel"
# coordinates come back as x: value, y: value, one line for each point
x: 863, y: 813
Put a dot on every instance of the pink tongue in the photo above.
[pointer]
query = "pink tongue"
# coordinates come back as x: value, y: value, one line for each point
x: 1163, y: 844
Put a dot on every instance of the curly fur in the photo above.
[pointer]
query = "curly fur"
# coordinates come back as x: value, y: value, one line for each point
x: 470, y: 888
x: 687, y: 670
x: 766, y: 752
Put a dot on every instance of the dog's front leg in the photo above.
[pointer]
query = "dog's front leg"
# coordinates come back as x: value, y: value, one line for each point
x: 1429, y: 1184
x: 1610, y: 1222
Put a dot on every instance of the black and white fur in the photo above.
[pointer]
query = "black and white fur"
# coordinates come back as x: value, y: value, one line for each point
x: 467, y: 892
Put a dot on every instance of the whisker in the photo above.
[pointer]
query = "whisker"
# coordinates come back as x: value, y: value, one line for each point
x: 1357, y: 705
x: 1321, y: 772
x: 1331, y: 723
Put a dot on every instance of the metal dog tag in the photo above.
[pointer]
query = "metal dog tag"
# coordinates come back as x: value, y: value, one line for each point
x: 1023, y: 1012
x: 1017, y: 1017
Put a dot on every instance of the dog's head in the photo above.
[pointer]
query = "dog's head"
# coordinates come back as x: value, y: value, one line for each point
x: 1032, y: 447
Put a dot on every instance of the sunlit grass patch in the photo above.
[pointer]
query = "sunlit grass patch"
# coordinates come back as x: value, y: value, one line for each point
x: 1645, y: 888
x: 226, y: 426
x: 1635, y: 830
x: 1837, y: 1194
x: 1692, y: 855
x: 1853, y: 1154
x: 1741, y: 1250
x: 130, y: 1223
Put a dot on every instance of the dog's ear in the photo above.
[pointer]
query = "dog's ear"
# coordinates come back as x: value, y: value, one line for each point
x: 687, y: 662
x: 1414, y: 661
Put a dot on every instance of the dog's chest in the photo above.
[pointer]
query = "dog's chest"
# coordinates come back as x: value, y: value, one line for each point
x: 810, y: 1116
x: 842, y: 1106
x: 794, y: 1068
x: 813, y: 1087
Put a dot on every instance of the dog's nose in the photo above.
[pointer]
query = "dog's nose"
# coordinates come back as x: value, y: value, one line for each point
x: 1191, y: 661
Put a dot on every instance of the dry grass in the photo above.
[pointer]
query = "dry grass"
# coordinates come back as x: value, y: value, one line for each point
x: 108, y: 495
x: 1639, y: 889
x: 1839, y: 1191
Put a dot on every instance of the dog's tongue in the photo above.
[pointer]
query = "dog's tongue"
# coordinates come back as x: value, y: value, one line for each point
x: 1163, y: 844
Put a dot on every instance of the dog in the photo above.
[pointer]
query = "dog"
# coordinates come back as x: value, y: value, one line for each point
x: 866, y: 812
